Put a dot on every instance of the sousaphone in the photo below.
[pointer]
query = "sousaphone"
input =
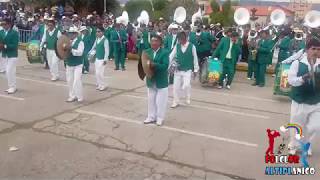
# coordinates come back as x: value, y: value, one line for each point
x: 62, y: 52
x: 180, y: 15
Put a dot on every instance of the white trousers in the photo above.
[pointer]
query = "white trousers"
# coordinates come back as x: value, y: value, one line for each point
x: 157, y: 104
x: 74, y: 74
x: 11, y: 69
x: 181, y: 85
x: 53, y: 62
x: 3, y: 63
x: 100, y: 73
x: 308, y: 117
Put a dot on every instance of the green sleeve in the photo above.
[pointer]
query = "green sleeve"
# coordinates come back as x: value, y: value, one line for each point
x: 164, y: 64
x: 266, y: 49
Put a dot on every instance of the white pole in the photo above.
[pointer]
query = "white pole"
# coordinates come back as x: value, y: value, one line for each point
x: 105, y: 6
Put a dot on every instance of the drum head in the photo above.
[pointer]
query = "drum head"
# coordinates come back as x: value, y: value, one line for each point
x: 61, y: 52
x: 145, y: 60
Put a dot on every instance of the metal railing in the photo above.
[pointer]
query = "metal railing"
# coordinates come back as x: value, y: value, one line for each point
x: 25, y: 35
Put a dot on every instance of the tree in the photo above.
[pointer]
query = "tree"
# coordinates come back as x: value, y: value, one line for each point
x: 214, y: 6
x: 134, y: 8
x: 225, y: 17
x: 191, y: 7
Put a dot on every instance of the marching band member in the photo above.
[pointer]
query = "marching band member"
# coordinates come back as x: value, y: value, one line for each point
x: 171, y: 39
x: 101, y: 48
x: 3, y: 61
x: 264, y: 48
x: 203, y: 42
x: 284, y: 48
x: 252, y: 56
x: 228, y: 52
x: 145, y: 39
x: 187, y: 59
x: 88, y: 43
x: 50, y: 39
x: 119, y: 41
x: 158, y: 84
x: 9, y: 49
x: 297, y: 43
x: 305, y: 95
x: 107, y: 34
x: 74, y: 66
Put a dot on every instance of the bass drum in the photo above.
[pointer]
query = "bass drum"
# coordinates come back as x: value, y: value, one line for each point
x: 281, y: 83
x: 33, y: 52
x: 211, y: 71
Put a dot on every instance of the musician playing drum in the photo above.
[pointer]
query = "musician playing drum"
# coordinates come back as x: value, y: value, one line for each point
x: 228, y: 52
x: 187, y: 59
x: 305, y: 107
x: 158, y: 84
x: 9, y: 48
x: 50, y: 39
x: 74, y: 65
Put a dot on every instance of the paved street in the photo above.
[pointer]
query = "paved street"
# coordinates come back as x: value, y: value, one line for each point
x: 220, y: 136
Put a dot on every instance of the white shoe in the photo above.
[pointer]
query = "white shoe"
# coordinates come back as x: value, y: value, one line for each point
x: 71, y: 99
x: 80, y: 100
x: 228, y: 87
x: 54, y: 79
x: 149, y: 121
x: 273, y: 75
x: 102, y: 89
x: 174, y: 105
x: 2, y: 71
x: 159, y: 123
x: 11, y: 91
x: 188, y: 101
x: 249, y: 78
x: 220, y: 87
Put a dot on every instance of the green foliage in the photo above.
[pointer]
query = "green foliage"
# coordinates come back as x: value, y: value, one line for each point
x: 191, y: 7
x: 134, y: 8
x: 225, y: 17
x: 214, y: 6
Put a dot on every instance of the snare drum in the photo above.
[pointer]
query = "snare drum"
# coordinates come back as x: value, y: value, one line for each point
x: 211, y: 71
x: 281, y: 83
x: 33, y: 52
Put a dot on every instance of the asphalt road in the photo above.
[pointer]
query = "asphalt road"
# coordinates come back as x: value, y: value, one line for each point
x: 221, y: 135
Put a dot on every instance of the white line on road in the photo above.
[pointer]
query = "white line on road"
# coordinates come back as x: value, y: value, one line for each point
x: 171, y: 129
x: 214, y: 109
x: 236, y: 95
x: 43, y: 82
x: 11, y: 97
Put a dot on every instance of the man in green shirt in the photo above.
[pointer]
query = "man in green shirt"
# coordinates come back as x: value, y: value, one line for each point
x: 265, y: 46
x: 74, y: 66
x: 3, y: 61
x: 158, y: 84
x: 170, y: 39
x: 305, y: 94
x: 87, y: 41
x: 228, y: 52
x: 119, y: 42
x: 10, y: 54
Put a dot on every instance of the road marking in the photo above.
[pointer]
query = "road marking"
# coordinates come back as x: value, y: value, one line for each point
x: 171, y: 129
x: 11, y: 97
x: 235, y: 95
x: 214, y: 109
x: 43, y: 82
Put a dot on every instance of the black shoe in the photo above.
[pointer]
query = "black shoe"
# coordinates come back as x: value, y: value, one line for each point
x: 116, y: 69
x: 254, y: 84
x: 123, y: 69
x: 261, y: 85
